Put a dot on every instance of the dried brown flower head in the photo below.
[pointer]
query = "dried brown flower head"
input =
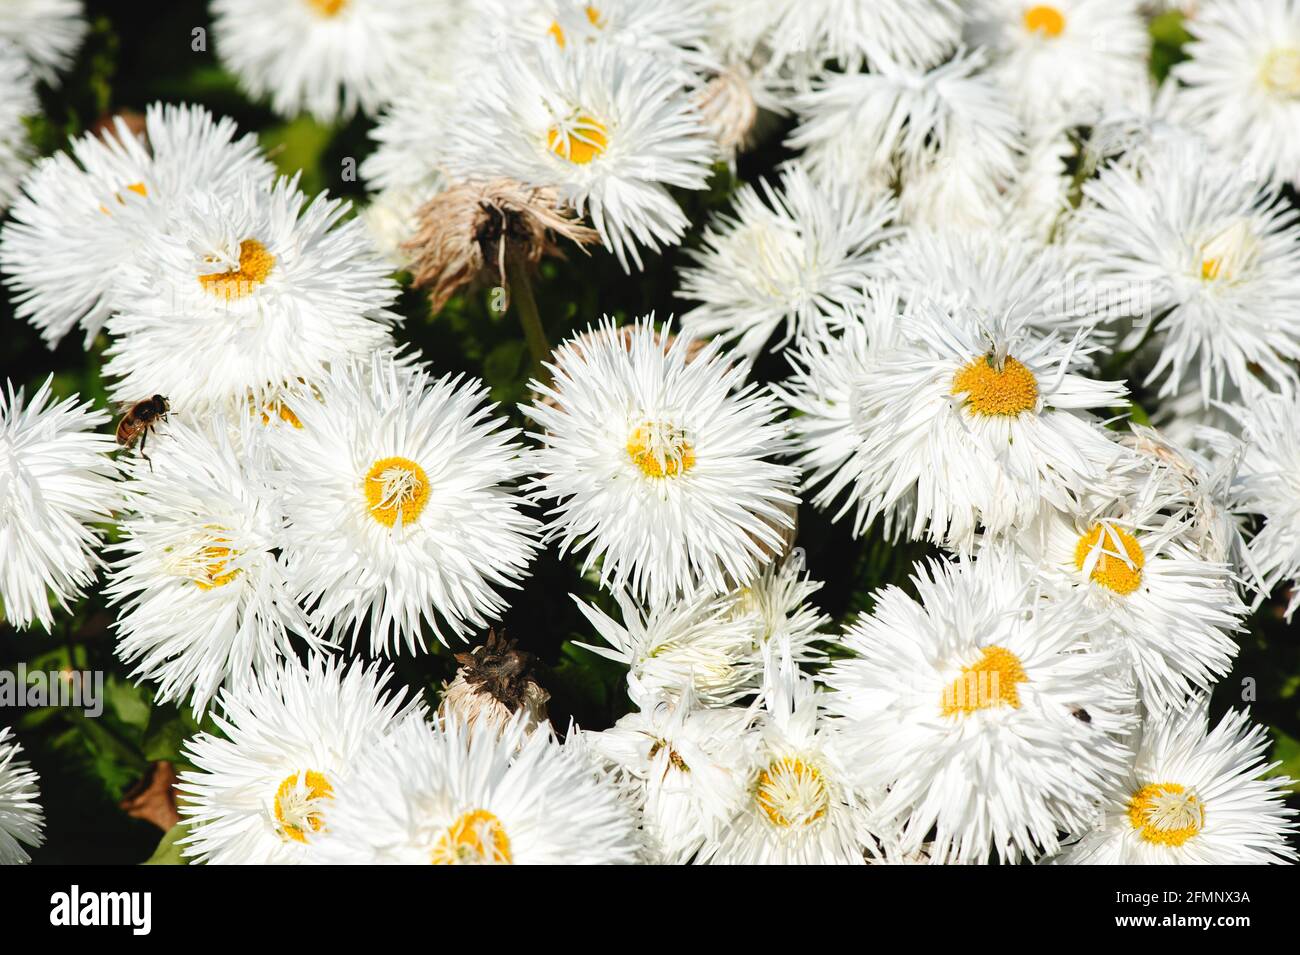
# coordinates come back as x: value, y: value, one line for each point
x: 469, y: 230
x: 493, y: 683
x: 727, y: 104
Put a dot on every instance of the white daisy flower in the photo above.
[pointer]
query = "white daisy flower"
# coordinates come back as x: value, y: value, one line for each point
x: 397, y: 491
x: 205, y: 599
x: 610, y: 131
x: 56, y: 480
x: 328, y: 57
x: 49, y: 33
x: 83, y: 217
x: 247, y: 291
x: 978, y: 708
x: 788, y: 257
x: 1210, y: 258
x: 689, y: 763
x: 1171, y: 612
x: 1195, y: 796
x: 776, y: 606
x: 440, y: 794
x: 866, y: 130
x: 967, y: 420
x: 262, y: 791
x: 800, y: 805
x: 1268, y: 485
x: 1241, y: 84
x: 21, y: 818
x: 17, y: 102
x: 1048, y: 288
x: 696, y: 642
x: 808, y: 32
x: 1066, y: 61
x: 660, y: 467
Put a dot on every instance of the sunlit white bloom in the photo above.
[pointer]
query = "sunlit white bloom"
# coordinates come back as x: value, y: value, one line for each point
x: 56, y: 481
x: 246, y: 291
x: 659, y: 466
x: 966, y: 420
x: 262, y: 789
x: 863, y: 130
x: 609, y: 130
x: 21, y: 818
x: 1194, y: 796
x: 205, y: 598
x: 1208, y: 257
x: 397, y: 491
x: 328, y: 57
x: 1047, y: 288
x: 808, y: 32
x: 17, y: 102
x: 787, y: 258
x: 978, y: 708
x: 1065, y: 61
x: 1040, y: 196
x: 696, y: 641
x: 1169, y: 610
x: 1268, y: 485
x: 440, y: 794
x: 801, y: 804
x: 48, y: 32
x: 1241, y: 84
x: 776, y: 607
x: 87, y: 214
x: 689, y: 762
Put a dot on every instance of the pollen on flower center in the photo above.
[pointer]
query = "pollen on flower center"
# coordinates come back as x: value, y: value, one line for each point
x: 991, y: 682
x: 1045, y: 19
x: 1166, y: 813
x: 255, y: 264
x: 557, y: 31
x: 1280, y: 72
x: 1228, y: 253
x: 1010, y: 390
x: 139, y: 188
x: 396, y: 488
x: 660, y: 450
x: 476, y: 837
x: 298, y: 804
x: 579, y: 139
x: 791, y: 793
x: 327, y: 8
x: 1121, y: 573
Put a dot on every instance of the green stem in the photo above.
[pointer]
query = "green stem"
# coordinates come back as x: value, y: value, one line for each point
x: 521, y: 291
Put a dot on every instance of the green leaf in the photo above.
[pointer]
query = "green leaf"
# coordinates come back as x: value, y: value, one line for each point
x: 1286, y: 751
x: 169, y: 850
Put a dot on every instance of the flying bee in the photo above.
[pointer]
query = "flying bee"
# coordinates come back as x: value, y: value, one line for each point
x: 141, y: 418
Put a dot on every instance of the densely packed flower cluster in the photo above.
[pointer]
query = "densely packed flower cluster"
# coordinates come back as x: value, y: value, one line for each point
x: 1034, y: 310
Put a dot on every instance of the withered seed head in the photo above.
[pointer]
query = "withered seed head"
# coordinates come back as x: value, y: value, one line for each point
x: 466, y: 232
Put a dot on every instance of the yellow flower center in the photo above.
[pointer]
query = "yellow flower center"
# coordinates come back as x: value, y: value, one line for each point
x: 1280, y: 72
x: 211, y: 567
x: 1228, y: 253
x: 1166, y: 813
x: 278, y: 409
x: 791, y: 793
x: 1045, y: 19
x: 1010, y: 390
x: 297, y: 804
x: 138, y: 188
x: 557, y: 31
x: 396, y: 489
x: 255, y: 264
x: 660, y: 450
x: 327, y: 8
x: 476, y: 838
x: 989, y: 683
x: 579, y: 139
x: 1121, y: 572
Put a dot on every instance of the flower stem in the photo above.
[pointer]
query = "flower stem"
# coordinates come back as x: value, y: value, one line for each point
x: 521, y: 291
